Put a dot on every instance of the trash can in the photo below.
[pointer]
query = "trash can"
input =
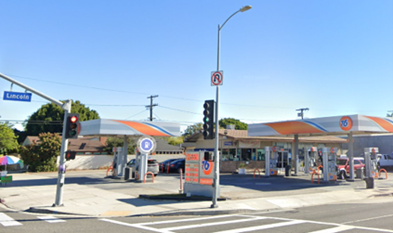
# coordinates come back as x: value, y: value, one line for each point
x: 127, y: 173
x: 369, y: 183
x: 360, y: 173
x: 288, y: 170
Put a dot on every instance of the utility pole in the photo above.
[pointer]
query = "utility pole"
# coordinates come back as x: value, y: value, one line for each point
x: 151, y: 106
x: 301, y: 114
x: 391, y: 113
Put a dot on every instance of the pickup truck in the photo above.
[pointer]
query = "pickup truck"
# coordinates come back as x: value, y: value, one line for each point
x: 384, y: 160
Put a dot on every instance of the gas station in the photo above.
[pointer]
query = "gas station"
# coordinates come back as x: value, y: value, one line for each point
x: 348, y: 125
x: 143, y: 131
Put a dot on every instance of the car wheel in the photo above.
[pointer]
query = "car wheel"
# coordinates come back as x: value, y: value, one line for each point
x: 342, y: 175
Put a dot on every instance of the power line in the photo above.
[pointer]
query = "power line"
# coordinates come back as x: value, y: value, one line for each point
x: 136, y: 114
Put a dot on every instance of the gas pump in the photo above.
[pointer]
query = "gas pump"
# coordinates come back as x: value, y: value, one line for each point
x: 271, y: 160
x: 117, y: 161
x: 310, y: 157
x: 329, y: 164
x: 332, y: 167
x: 145, y: 145
x: 370, y: 158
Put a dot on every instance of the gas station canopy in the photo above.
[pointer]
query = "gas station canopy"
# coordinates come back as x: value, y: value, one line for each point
x: 338, y: 125
x: 105, y: 127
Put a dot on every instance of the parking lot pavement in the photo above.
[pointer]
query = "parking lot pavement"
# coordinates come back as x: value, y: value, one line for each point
x: 90, y: 193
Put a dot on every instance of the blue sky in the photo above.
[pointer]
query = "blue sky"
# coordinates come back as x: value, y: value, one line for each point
x: 334, y: 57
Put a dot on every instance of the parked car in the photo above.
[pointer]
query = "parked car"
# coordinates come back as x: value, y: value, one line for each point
x: 384, y: 160
x: 152, y: 165
x: 343, y: 166
x: 165, y: 163
x: 176, y: 165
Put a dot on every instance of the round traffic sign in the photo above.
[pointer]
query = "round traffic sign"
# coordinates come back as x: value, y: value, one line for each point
x: 217, y: 78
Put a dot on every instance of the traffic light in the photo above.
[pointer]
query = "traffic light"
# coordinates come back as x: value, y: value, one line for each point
x: 208, y: 119
x: 72, y: 125
x: 70, y: 155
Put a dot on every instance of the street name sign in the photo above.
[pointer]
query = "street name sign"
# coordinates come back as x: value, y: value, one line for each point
x: 17, y: 96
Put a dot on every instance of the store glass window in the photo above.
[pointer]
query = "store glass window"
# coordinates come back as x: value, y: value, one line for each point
x: 260, y: 155
x: 228, y: 154
x: 246, y: 154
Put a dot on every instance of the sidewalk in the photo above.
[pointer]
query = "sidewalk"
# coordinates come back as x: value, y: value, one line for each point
x: 89, y: 193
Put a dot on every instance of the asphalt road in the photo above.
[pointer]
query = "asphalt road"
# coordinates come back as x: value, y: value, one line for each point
x: 371, y: 216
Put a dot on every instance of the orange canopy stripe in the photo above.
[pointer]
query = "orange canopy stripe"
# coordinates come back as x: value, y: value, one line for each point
x: 293, y: 127
x: 386, y: 125
x: 143, y: 128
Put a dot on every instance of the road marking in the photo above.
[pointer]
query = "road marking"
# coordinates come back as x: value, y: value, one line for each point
x: 50, y: 219
x: 7, y: 221
x: 212, y: 224
x: 135, y: 225
x: 335, y: 229
x: 268, y: 226
x: 368, y: 219
x: 188, y: 220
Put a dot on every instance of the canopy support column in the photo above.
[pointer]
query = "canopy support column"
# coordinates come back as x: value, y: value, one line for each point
x: 350, y: 155
x: 295, y: 154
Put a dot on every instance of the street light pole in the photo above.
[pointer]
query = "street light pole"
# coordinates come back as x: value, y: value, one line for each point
x: 217, y: 157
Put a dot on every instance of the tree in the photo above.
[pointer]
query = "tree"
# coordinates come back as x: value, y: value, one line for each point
x: 8, y: 140
x: 43, y: 156
x: 191, y: 129
x: 231, y: 121
x: 174, y: 140
x: 119, y: 142
x: 49, y: 118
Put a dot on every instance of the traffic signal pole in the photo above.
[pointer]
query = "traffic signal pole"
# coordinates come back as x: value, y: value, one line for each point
x: 62, y: 167
x: 64, y: 142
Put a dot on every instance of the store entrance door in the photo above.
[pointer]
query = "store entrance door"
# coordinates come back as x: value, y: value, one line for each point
x: 283, y: 159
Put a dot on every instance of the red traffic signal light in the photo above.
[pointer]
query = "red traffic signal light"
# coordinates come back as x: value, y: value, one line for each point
x: 73, y: 119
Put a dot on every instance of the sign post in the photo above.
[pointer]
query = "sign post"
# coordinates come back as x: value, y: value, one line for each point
x: 145, y: 145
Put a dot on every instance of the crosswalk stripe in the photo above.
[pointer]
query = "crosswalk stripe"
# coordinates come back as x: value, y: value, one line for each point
x: 335, y: 229
x: 262, y: 227
x: 212, y: 224
x: 50, y: 219
x: 7, y: 221
x: 135, y: 225
x: 187, y: 220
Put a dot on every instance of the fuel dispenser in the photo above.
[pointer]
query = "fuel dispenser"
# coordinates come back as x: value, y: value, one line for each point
x: 271, y: 160
x: 145, y: 145
x: 329, y: 164
x: 310, y: 158
x: 370, y: 158
x: 332, y: 164
x: 118, y: 163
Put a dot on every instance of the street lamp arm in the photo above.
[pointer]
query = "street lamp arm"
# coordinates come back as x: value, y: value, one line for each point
x: 228, y: 19
x: 243, y: 9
